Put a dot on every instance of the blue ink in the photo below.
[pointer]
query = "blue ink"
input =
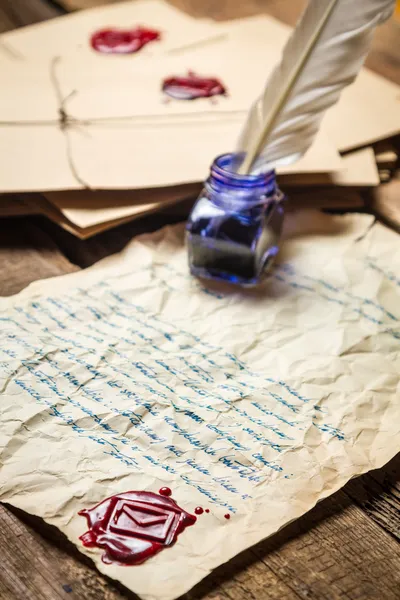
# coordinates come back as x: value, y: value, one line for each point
x: 37, y: 306
x: 225, y: 483
x: 334, y: 431
x: 352, y: 297
x: 234, y: 227
x: 190, y: 437
x: 157, y: 463
x: 62, y: 307
x: 262, y: 439
x: 13, y: 322
x: 388, y: 274
x: 191, y: 415
x: 162, y: 384
x: 267, y: 463
x: 207, y: 493
x: 222, y: 435
x: 192, y: 463
x: 69, y: 421
x: 244, y: 471
x: 30, y: 318
x: 175, y: 450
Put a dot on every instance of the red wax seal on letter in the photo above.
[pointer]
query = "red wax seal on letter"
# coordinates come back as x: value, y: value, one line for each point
x: 134, y: 526
x: 118, y: 41
x: 193, y: 86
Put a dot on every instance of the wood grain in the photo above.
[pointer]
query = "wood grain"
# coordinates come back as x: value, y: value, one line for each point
x: 385, y: 203
x: 17, y: 13
x: 27, y: 254
x: 35, y: 568
x: 345, y: 548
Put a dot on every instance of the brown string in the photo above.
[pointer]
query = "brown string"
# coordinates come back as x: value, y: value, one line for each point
x: 199, y: 44
x: 66, y: 122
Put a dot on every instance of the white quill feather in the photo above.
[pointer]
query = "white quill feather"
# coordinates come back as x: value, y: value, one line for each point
x: 323, y: 55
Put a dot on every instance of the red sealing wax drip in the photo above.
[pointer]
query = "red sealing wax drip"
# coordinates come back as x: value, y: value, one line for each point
x: 134, y: 526
x: 193, y: 86
x: 198, y: 510
x: 165, y: 491
x: 227, y: 516
x: 119, y: 41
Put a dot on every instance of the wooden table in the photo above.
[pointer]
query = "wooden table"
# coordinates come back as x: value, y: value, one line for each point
x: 347, y: 547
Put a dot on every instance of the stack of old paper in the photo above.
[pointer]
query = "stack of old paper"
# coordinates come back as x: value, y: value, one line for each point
x: 95, y: 133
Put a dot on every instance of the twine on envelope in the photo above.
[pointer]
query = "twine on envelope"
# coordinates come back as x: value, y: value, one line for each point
x: 67, y: 122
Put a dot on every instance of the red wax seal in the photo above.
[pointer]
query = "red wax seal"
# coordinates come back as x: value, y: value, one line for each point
x: 119, y: 41
x: 134, y: 526
x: 193, y: 86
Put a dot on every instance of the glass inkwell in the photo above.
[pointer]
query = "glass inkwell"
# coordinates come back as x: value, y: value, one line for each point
x: 234, y: 227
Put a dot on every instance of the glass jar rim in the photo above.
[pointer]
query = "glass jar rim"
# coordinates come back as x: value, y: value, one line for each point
x: 222, y: 175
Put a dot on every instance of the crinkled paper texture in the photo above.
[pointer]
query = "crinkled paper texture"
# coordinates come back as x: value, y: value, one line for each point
x: 132, y: 375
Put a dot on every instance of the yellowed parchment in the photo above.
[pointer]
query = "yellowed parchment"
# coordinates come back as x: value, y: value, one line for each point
x: 123, y: 132
x: 71, y: 33
x: 132, y: 375
x: 86, y: 213
x: 86, y: 208
x: 368, y: 111
x: 359, y: 170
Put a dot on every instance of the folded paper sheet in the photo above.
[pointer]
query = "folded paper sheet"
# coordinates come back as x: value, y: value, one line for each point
x: 86, y: 213
x: 121, y: 133
x: 87, y: 209
x: 72, y: 33
x: 132, y: 375
x: 368, y: 111
x: 359, y: 169
x: 247, y: 49
x: 38, y: 204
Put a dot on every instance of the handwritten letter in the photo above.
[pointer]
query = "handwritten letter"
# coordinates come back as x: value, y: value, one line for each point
x: 133, y: 376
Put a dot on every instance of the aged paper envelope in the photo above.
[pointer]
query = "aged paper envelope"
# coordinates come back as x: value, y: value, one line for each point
x: 368, y: 111
x: 358, y: 120
x: 71, y: 33
x: 359, y: 169
x: 40, y: 205
x: 85, y: 208
x: 120, y: 133
x: 89, y: 209
x: 132, y: 375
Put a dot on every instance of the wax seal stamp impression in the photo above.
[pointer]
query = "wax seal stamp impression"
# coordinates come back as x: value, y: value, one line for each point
x: 133, y: 526
x: 193, y: 86
x: 119, y: 41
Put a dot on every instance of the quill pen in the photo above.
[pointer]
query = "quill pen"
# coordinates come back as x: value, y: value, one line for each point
x: 323, y: 55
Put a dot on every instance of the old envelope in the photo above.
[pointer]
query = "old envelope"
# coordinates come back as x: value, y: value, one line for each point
x: 71, y: 33
x: 87, y: 209
x: 368, y: 111
x: 121, y: 133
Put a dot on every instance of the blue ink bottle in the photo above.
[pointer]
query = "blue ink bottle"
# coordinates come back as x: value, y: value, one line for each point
x: 234, y: 227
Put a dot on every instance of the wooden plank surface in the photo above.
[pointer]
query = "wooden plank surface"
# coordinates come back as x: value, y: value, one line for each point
x: 17, y: 13
x: 347, y: 547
